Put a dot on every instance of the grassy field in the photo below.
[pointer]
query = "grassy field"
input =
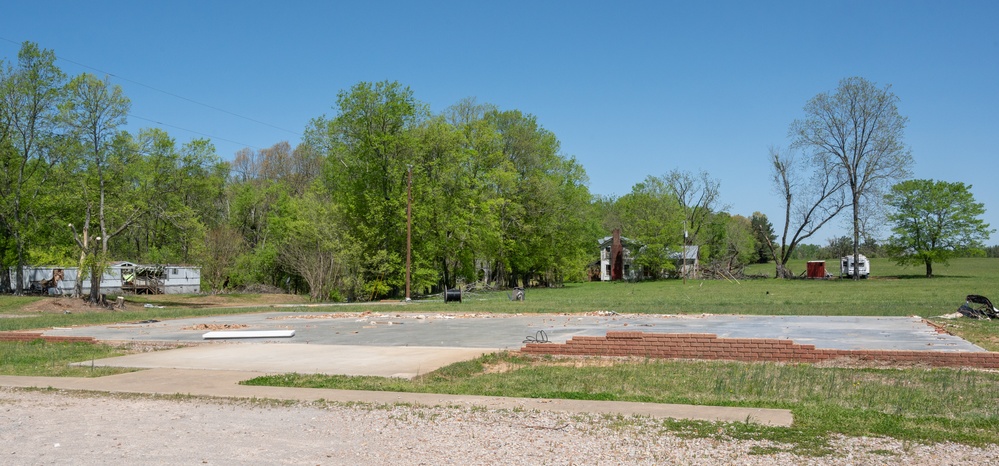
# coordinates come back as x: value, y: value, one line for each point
x: 910, y: 404
x: 892, y: 291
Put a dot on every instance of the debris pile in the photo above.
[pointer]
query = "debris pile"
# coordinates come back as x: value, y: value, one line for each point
x: 978, y: 307
x: 215, y: 326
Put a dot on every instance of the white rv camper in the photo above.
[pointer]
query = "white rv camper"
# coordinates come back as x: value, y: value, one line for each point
x: 846, y: 266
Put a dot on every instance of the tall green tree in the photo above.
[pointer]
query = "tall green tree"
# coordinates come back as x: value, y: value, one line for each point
x: 29, y: 96
x: 934, y: 221
x: 445, y: 227
x: 859, y: 131
x: 370, y: 145
x: 540, y: 195
x: 94, y: 111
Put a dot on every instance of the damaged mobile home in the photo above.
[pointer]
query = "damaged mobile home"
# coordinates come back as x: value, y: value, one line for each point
x: 119, y: 278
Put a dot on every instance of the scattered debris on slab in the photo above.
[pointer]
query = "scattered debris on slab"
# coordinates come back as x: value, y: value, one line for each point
x: 215, y: 327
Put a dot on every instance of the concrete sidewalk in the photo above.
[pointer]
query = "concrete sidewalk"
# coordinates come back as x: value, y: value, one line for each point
x: 225, y: 384
x: 378, y: 361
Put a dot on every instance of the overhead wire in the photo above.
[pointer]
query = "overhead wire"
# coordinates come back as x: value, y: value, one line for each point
x: 171, y: 94
x: 192, y: 131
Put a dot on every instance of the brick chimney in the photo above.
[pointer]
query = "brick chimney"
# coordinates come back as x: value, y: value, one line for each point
x: 617, y: 256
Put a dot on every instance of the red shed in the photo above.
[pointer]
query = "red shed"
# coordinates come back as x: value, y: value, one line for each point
x: 816, y: 269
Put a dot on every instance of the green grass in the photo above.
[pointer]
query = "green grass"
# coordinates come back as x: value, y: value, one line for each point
x: 910, y: 404
x: 11, y: 304
x: 892, y: 291
x: 41, y: 358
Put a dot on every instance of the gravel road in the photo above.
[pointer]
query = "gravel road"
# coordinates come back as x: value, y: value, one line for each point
x: 54, y: 427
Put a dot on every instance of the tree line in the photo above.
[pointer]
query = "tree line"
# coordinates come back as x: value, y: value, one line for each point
x: 487, y: 194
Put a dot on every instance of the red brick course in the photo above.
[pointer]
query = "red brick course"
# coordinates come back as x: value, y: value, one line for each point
x: 709, y: 346
x: 30, y: 336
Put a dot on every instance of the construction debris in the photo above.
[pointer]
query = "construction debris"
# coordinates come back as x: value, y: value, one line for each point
x: 215, y: 327
x: 978, y: 307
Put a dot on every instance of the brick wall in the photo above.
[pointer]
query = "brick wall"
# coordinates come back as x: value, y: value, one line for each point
x: 709, y: 346
x: 28, y: 336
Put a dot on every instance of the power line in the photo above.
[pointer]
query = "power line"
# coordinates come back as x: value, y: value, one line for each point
x: 58, y: 57
x: 192, y: 131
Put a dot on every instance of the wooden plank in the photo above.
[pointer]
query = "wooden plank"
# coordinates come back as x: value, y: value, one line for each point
x: 223, y: 334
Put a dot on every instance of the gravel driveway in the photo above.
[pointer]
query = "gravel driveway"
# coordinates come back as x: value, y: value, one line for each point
x: 55, y: 427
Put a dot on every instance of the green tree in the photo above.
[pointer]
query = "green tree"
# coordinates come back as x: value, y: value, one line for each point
x: 934, y: 221
x: 369, y: 147
x: 444, y: 229
x: 29, y: 96
x: 94, y: 110
x: 318, y: 250
x: 650, y: 215
x: 763, y: 232
x: 859, y: 131
x: 840, y: 246
x: 179, y: 191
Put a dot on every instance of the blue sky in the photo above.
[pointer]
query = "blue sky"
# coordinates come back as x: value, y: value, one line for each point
x: 631, y: 89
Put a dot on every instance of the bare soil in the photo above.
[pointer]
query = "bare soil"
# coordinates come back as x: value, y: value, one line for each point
x: 61, y: 305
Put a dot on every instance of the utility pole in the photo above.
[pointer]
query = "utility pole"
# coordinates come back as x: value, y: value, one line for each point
x: 684, y: 253
x: 409, y: 225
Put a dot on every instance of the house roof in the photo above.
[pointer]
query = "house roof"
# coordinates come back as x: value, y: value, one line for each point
x: 607, y: 240
x: 691, y: 253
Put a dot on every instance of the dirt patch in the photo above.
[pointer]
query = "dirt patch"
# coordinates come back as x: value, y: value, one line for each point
x: 60, y: 306
x: 65, y: 305
x: 217, y: 300
x: 215, y: 327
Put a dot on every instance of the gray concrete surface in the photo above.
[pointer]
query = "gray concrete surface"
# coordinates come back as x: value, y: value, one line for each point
x: 381, y: 361
x: 510, y: 331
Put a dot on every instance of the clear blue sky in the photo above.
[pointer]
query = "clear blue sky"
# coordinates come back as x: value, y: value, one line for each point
x: 630, y: 88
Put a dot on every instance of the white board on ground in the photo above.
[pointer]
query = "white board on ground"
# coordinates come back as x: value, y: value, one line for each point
x: 248, y: 334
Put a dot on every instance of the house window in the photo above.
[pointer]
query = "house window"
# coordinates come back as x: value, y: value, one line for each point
x: 175, y: 271
x: 608, y: 269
